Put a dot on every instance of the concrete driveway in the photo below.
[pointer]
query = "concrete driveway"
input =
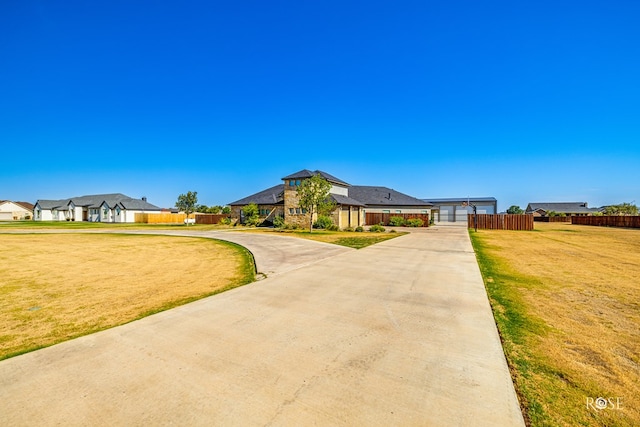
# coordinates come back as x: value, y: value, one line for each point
x: 273, y: 253
x: 400, y: 333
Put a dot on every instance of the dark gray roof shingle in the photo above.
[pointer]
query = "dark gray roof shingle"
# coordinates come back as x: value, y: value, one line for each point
x: 305, y: 173
x: 383, y: 196
x: 270, y: 196
x: 95, y: 200
x: 344, y: 200
x: 561, y: 207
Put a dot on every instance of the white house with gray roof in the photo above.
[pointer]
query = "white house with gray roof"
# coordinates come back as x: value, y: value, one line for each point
x: 115, y: 207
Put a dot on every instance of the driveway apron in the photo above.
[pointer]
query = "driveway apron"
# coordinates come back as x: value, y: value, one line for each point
x: 399, y: 333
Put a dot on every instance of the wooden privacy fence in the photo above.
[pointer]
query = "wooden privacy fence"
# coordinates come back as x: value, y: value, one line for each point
x: 210, y: 218
x: 501, y: 222
x: 160, y: 218
x: 372, y: 218
x: 552, y: 218
x: 607, y: 221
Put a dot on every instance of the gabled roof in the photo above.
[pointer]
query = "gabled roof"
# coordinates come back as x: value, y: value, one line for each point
x: 305, y: 173
x: 561, y: 207
x: 52, y: 204
x: 96, y: 200
x: 24, y: 205
x: 270, y: 196
x: 383, y: 196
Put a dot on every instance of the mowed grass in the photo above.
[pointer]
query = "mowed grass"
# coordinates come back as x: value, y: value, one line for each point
x: 351, y: 239
x: 111, y: 226
x: 55, y: 287
x: 566, y: 299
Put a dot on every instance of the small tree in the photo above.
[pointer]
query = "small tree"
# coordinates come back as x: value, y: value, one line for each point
x: 251, y: 214
x: 314, y: 197
x: 515, y: 210
x: 187, y: 202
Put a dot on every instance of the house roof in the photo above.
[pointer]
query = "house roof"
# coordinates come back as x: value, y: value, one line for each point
x: 566, y: 207
x: 459, y: 200
x: 344, y: 200
x: 270, y: 196
x: 383, y: 196
x: 305, y: 173
x: 94, y: 201
x: 24, y: 205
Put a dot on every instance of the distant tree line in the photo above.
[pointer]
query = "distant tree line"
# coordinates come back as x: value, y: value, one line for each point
x: 619, y: 209
x: 213, y: 209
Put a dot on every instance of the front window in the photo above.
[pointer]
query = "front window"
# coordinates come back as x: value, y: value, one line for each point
x: 297, y: 182
x: 292, y: 183
x: 291, y: 211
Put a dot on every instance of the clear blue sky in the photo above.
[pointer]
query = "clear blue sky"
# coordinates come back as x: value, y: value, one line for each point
x: 526, y: 101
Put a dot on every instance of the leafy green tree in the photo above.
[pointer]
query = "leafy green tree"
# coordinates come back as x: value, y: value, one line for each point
x: 251, y: 214
x: 621, y: 209
x: 515, y: 210
x: 226, y: 210
x: 313, y: 194
x: 187, y: 202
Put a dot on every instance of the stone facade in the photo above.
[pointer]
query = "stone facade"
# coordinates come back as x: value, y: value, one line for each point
x: 293, y: 213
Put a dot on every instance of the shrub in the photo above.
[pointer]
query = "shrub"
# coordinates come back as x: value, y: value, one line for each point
x: 332, y: 227
x: 415, y: 222
x: 376, y: 229
x: 359, y: 229
x: 348, y: 229
x: 278, y: 221
x: 225, y: 221
x: 397, y: 221
x: 251, y: 214
x: 392, y: 231
x: 323, y: 222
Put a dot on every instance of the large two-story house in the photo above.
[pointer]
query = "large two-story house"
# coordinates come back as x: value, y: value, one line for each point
x: 352, y: 201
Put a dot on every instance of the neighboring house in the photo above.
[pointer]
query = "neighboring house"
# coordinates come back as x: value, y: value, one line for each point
x: 15, y: 211
x: 95, y: 208
x: 567, y: 208
x: 454, y: 209
x: 352, y: 201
